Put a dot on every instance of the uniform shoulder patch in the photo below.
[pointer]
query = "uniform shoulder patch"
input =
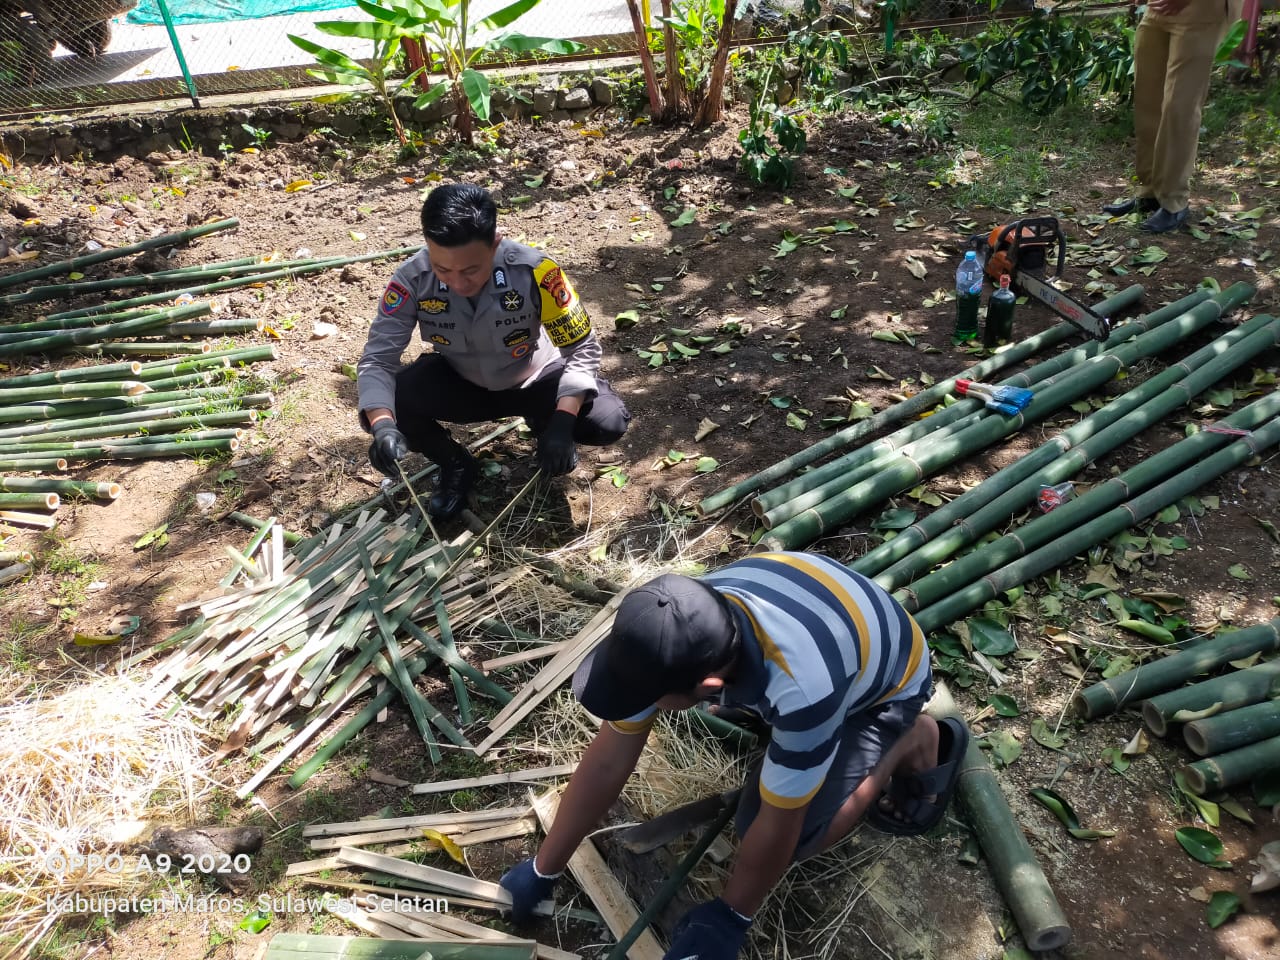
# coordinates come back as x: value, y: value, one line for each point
x: 562, y: 315
x: 394, y: 297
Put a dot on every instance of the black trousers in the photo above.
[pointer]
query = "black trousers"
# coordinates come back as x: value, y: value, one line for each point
x: 429, y: 391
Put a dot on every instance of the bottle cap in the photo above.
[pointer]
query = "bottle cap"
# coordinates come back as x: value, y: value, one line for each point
x: 1004, y: 279
x: 971, y: 255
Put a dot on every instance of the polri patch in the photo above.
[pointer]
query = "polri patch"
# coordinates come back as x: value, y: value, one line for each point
x: 433, y: 305
x: 521, y: 351
x: 437, y: 338
x: 393, y: 297
x: 553, y: 282
x: 512, y: 301
x: 515, y: 338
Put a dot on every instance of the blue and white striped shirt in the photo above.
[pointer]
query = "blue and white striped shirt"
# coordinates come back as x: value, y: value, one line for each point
x: 819, y: 643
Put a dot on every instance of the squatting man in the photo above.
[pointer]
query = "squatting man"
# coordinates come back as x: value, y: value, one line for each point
x: 507, y: 336
x: 827, y: 658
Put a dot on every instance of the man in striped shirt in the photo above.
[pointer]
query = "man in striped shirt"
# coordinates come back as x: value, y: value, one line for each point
x: 828, y: 659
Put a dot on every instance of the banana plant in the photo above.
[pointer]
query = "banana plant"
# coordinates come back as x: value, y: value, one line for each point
x: 445, y: 28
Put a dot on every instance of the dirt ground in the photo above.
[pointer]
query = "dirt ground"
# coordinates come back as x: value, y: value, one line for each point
x: 603, y: 206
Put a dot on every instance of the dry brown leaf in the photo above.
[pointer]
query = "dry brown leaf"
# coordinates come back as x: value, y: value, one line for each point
x: 705, y: 429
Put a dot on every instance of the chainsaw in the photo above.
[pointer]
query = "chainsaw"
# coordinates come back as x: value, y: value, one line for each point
x: 1022, y: 249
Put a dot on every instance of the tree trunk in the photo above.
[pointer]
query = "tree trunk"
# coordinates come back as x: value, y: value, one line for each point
x: 712, y: 106
x: 675, y: 99
x: 656, y: 106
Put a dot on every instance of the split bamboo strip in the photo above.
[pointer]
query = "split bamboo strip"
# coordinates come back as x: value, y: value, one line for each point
x: 292, y: 946
x: 103, y: 371
x: 914, y: 406
x: 473, y: 932
x: 441, y: 879
x: 524, y: 656
x: 1074, y: 540
x: 254, y: 524
x: 1235, y: 728
x: 979, y: 509
x: 1234, y: 767
x: 114, y: 253
x: 600, y: 885
x: 1044, y: 528
x: 462, y: 834
x: 497, y: 779
x: 419, y: 821
x: 906, y: 471
x: 1240, y: 688
x: 237, y: 282
x: 1009, y: 857
x: 27, y: 519
x: 1176, y: 669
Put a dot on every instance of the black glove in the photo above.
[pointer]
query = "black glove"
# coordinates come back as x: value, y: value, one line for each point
x: 556, y: 451
x: 528, y: 888
x: 388, y: 448
x: 710, y: 931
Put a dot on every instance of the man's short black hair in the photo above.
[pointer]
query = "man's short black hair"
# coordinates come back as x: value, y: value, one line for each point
x: 456, y: 214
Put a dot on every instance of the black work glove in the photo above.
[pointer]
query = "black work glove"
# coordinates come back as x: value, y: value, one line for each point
x: 528, y: 888
x: 556, y: 451
x: 710, y: 931
x: 388, y: 448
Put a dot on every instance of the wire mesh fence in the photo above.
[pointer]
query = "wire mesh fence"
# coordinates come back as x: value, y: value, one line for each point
x: 58, y: 54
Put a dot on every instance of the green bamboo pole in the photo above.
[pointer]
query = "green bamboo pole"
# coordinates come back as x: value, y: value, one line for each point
x: 60, y: 446
x: 113, y: 253
x: 1010, y: 860
x: 1240, y: 688
x: 974, y: 512
x: 144, y: 416
x: 1237, y: 766
x: 42, y: 501
x: 236, y: 418
x: 67, y: 291
x: 98, y: 490
x: 129, y: 370
x: 1233, y: 729
x: 209, y: 328
x: 34, y: 464
x: 236, y: 282
x: 1042, y: 529
x: 253, y: 523
x: 83, y: 335
x: 88, y: 388
x: 143, y: 349
x: 671, y: 886
x: 60, y: 409
x: 15, y: 556
x: 17, y: 332
x: 906, y: 471
x: 185, y: 381
x: 413, y: 665
x: 1074, y: 540
x: 1176, y: 669
x: 911, y: 407
x: 148, y: 451
x: 215, y: 360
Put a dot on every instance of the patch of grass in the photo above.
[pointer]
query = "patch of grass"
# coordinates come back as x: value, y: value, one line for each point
x: 1021, y: 157
x: 16, y: 647
x: 1246, y: 119
x: 74, y: 574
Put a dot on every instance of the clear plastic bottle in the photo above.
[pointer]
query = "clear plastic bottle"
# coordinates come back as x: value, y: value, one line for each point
x: 968, y: 297
x: 999, y: 323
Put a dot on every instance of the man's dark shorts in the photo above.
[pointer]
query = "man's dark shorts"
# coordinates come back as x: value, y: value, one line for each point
x: 866, y: 737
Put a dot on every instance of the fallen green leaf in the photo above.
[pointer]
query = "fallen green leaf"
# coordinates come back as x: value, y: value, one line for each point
x: 1042, y: 735
x: 706, y: 465
x: 686, y: 217
x: 1222, y: 907
x: 1200, y: 844
x: 1238, y: 571
x: 1207, y: 808
x: 153, y: 538
x: 990, y: 638
x: 1060, y: 808
x: 1004, y: 746
x: 1004, y: 705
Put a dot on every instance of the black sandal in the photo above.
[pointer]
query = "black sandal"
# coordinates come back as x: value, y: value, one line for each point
x: 913, y: 811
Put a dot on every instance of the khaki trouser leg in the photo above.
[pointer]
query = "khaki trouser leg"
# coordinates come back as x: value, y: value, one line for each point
x: 1191, y: 50
x: 1150, y: 59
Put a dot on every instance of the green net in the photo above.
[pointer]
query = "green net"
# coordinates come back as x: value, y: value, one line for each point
x: 221, y: 11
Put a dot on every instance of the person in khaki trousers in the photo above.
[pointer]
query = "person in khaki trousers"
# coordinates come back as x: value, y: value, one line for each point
x: 1173, y: 58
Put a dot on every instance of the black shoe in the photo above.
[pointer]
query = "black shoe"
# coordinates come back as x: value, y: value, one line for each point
x: 1141, y: 204
x: 1162, y: 221
x: 452, y: 487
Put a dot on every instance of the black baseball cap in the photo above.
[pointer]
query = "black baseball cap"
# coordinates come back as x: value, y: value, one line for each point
x: 668, y: 636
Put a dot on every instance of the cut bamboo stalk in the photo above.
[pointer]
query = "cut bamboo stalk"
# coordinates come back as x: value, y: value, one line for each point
x: 1176, y: 669
x: 34, y: 464
x: 14, y: 571
x: 409, y: 894
x: 473, y: 932
x: 95, y: 334
x: 101, y: 490
x: 524, y: 656
x: 600, y: 885
x: 209, y: 328
x: 1235, y: 767
x: 114, y: 253
x: 47, y: 501
x: 431, y: 820
x: 1240, y: 688
x: 83, y: 388
x: 143, y: 348
x: 15, y: 556
x: 497, y: 779
x: 1237, y: 728
x: 1009, y: 857
x: 128, y: 370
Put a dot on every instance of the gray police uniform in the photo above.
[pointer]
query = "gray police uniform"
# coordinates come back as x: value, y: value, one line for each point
x: 513, y: 350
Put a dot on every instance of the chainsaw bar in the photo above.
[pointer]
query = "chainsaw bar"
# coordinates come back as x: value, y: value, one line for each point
x: 1068, y: 308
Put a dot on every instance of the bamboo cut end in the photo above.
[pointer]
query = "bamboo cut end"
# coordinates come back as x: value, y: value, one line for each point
x: 1195, y: 779
x: 133, y: 388
x: 52, y: 501
x: 1154, y: 719
x: 1195, y: 739
x: 108, y: 491
x: 1049, y: 937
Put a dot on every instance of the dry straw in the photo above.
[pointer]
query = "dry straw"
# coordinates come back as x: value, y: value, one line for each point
x: 80, y: 768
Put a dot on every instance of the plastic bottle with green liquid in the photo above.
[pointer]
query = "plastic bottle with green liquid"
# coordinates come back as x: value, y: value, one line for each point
x: 999, y: 323
x: 968, y: 297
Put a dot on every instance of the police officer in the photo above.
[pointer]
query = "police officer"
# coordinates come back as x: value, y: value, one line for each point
x: 508, y: 337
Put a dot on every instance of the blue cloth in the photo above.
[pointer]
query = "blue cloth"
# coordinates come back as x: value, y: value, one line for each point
x: 147, y: 12
x: 710, y: 931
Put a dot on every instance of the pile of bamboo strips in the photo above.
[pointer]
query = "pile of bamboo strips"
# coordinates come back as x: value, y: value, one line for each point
x: 1231, y: 721
x: 360, y: 607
